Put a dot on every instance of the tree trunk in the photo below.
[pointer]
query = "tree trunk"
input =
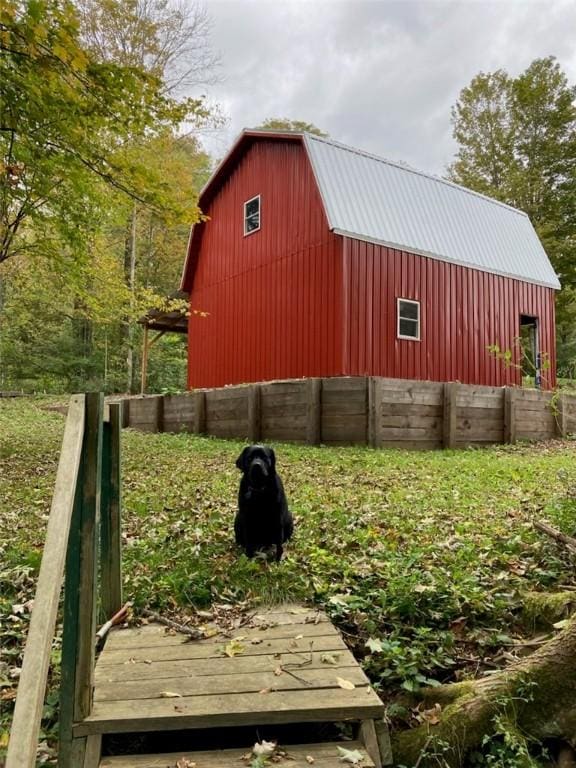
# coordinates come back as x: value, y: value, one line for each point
x: 536, y: 696
x: 130, y: 275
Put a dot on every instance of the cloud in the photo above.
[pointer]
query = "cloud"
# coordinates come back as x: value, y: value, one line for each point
x: 381, y: 76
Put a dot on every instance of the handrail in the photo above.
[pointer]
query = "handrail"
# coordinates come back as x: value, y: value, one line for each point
x: 34, y: 674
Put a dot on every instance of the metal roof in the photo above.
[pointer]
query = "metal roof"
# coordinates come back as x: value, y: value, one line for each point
x: 373, y: 199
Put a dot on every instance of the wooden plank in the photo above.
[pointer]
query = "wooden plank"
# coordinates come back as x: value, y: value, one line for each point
x: 423, y: 397
x: 449, y: 416
x: 237, y: 409
x: 345, y: 408
x: 314, y: 411
x: 413, y: 433
x: 344, y: 384
x: 412, y: 387
x: 480, y: 400
x: 383, y: 736
x: 254, y: 413
x: 370, y: 741
x: 231, y: 710
x: 477, y: 425
x: 271, y: 408
x: 510, y: 399
x: 93, y: 750
x: 90, y: 510
x: 276, y: 399
x: 32, y: 683
x: 412, y: 409
x: 138, y: 639
x: 374, y: 409
x: 562, y: 418
x: 283, y: 387
x: 478, y: 413
x: 325, y: 755
x: 226, y: 394
x: 478, y: 391
x: 330, y: 642
x: 433, y: 424
x: 120, y: 673
x: 253, y: 682
x: 409, y: 444
x: 110, y: 530
x: 199, y: 422
x: 526, y: 394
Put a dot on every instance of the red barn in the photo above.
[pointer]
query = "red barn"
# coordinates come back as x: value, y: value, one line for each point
x: 317, y: 259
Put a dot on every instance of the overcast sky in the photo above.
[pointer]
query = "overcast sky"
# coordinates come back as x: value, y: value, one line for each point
x: 379, y: 75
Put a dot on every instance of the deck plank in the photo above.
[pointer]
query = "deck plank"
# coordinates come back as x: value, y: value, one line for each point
x: 195, y: 650
x: 118, y: 673
x: 229, y: 710
x: 324, y: 755
x: 147, y: 637
x: 255, y: 682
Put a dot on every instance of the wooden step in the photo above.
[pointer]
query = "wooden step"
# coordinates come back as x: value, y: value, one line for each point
x: 297, y: 756
x: 284, y: 668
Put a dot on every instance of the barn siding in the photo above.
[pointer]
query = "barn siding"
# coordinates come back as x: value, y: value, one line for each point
x: 274, y: 297
x: 462, y: 312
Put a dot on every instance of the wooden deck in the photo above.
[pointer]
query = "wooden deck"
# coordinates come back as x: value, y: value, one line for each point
x: 286, y: 667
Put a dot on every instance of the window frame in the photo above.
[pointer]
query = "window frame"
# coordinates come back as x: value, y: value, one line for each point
x: 398, y: 318
x: 246, y: 203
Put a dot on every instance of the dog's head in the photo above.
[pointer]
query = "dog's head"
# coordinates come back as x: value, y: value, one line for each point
x: 258, y: 463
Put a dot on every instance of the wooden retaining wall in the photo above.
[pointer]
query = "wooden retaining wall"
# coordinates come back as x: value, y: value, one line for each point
x: 361, y: 411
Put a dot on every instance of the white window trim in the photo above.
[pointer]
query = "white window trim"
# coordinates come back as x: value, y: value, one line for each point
x: 251, y: 232
x: 400, y: 335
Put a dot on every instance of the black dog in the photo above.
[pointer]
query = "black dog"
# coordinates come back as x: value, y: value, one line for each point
x: 263, y: 518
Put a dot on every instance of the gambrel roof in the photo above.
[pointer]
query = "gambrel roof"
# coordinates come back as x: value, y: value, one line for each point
x: 369, y: 198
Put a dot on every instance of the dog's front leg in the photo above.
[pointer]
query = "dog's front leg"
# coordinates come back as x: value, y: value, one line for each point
x: 279, y: 547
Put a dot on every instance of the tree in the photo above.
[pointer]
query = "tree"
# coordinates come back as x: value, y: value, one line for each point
x: 483, y: 129
x: 517, y: 142
x: 170, y: 42
x: 284, y: 124
x: 523, y: 703
x: 65, y: 119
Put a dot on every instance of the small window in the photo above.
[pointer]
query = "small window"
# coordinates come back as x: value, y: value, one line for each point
x: 252, y: 215
x: 408, y: 319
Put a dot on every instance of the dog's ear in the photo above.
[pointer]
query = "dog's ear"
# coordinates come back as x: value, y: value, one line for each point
x: 271, y: 458
x: 241, y: 460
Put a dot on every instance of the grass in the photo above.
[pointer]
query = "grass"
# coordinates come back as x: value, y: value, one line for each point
x: 424, y: 556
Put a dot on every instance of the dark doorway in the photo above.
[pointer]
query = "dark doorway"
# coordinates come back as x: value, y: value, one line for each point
x: 530, y: 356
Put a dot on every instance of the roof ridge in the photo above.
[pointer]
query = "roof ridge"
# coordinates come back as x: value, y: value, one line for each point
x: 405, y: 167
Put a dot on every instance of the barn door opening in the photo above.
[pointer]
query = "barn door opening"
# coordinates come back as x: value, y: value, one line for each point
x: 531, y: 364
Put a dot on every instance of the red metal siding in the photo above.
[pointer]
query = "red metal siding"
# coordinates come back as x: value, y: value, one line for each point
x: 274, y: 297
x: 463, y: 311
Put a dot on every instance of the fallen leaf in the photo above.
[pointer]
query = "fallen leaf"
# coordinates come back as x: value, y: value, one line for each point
x: 185, y: 763
x: 309, y: 759
x: 170, y: 695
x: 264, y: 748
x: 432, y: 716
x: 233, y: 648
x: 298, y: 637
x: 353, y: 756
x: 348, y: 685
x: 278, y: 671
x: 374, y: 645
x: 265, y: 690
x: 330, y: 658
